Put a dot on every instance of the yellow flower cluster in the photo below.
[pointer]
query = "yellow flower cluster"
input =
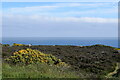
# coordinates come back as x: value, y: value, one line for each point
x: 28, y: 56
x: 62, y: 64
x: 18, y: 44
x: 117, y: 48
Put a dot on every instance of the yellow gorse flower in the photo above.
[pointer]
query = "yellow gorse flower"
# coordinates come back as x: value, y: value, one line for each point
x: 28, y: 56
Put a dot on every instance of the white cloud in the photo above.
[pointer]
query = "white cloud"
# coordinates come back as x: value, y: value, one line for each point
x: 65, y: 19
x: 99, y: 20
x: 82, y: 19
x: 58, y: 5
x: 32, y: 9
x: 75, y: 19
x: 89, y: 12
x: 92, y: 4
x: 43, y: 26
x: 53, y: 10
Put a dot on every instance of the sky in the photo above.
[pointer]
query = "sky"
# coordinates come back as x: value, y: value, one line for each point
x: 60, y: 19
x: 60, y: 0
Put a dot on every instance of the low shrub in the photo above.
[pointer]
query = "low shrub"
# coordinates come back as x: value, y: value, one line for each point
x: 117, y: 48
x: 14, y: 44
x: 29, y: 56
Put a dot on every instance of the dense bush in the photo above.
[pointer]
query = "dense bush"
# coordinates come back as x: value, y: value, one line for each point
x: 117, y: 48
x: 6, y: 45
x: 29, y: 56
x: 14, y: 44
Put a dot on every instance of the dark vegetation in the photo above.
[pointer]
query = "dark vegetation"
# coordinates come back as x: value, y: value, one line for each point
x: 92, y: 61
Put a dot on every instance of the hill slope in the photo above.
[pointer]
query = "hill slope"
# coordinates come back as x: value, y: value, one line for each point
x: 92, y: 61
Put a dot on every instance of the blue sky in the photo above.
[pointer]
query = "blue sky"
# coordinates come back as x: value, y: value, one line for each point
x: 60, y: 19
x: 60, y: 0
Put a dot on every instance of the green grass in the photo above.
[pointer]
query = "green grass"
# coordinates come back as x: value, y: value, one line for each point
x: 36, y: 71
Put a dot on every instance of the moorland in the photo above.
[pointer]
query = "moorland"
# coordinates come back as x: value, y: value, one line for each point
x: 60, y: 61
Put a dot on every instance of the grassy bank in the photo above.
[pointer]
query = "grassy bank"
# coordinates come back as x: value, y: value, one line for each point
x: 36, y: 71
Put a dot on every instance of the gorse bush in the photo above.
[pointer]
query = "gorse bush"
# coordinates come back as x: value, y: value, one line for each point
x: 14, y: 44
x: 117, y: 48
x: 29, y: 56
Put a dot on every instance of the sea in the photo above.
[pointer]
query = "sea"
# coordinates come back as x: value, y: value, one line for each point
x: 74, y: 41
